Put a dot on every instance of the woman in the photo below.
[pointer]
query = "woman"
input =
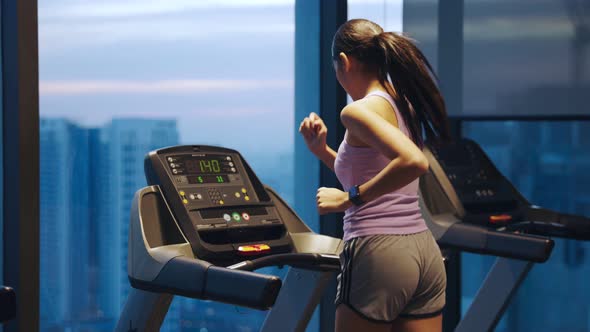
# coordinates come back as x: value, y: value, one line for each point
x: 392, y: 276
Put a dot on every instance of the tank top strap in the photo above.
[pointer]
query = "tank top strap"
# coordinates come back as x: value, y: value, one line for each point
x: 400, y: 121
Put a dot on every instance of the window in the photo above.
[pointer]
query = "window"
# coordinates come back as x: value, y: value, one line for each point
x: 519, y: 61
x: 386, y: 13
x: 548, y: 163
x: 120, y: 78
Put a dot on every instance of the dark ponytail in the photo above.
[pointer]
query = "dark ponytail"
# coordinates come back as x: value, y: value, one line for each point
x: 397, y: 60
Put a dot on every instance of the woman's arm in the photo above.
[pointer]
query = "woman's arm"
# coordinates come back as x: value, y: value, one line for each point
x: 328, y: 156
x: 407, y: 160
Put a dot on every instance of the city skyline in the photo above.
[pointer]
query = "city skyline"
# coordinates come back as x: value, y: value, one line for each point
x: 88, y: 178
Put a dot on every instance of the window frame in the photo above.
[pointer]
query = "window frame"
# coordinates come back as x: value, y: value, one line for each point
x: 20, y: 127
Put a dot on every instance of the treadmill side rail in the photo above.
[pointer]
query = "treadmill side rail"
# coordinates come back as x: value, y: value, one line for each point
x: 299, y: 297
x: 494, y: 295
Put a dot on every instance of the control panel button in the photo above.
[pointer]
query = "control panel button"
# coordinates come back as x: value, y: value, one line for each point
x: 245, y: 216
x: 253, y: 248
x: 246, y: 198
x: 226, y: 217
x: 238, y: 195
x: 192, y: 196
x: 500, y: 218
x: 244, y: 190
x: 236, y: 216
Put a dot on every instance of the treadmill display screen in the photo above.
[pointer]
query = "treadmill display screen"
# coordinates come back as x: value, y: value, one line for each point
x: 207, y: 165
x: 203, y: 168
x: 207, y: 179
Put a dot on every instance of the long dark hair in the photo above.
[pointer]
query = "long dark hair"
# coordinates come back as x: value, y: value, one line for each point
x: 397, y: 60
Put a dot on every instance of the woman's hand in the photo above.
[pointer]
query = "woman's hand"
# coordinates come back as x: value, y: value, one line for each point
x: 331, y: 200
x: 314, y: 132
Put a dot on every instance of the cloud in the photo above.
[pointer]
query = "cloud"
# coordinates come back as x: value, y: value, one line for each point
x: 97, y: 24
x: 191, y: 86
x: 133, y: 8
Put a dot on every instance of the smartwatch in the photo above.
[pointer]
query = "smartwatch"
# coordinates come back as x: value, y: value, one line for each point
x: 354, y: 195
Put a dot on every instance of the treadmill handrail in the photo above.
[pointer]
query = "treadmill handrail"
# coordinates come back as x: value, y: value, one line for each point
x: 199, y: 279
x: 481, y: 240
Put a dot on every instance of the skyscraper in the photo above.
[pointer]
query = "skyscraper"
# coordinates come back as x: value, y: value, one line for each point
x: 88, y: 179
x: 120, y: 149
x: 64, y: 221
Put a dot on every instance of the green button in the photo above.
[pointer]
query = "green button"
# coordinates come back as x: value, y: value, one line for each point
x: 236, y: 216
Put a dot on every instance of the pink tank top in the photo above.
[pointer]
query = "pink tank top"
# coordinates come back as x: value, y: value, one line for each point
x: 396, y: 212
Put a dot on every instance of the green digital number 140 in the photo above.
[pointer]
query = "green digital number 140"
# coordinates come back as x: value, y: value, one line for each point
x: 209, y: 166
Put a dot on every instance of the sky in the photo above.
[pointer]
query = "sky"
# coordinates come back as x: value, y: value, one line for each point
x: 224, y: 69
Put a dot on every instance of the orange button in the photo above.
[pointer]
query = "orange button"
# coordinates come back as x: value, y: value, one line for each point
x: 253, y: 248
x: 500, y: 218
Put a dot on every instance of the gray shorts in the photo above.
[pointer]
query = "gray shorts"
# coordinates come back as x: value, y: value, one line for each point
x: 388, y: 276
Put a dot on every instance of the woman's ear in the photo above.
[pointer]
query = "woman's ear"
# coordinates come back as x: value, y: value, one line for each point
x: 344, y: 62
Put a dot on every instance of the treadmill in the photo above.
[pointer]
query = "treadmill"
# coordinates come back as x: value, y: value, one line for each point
x: 470, y: 206
x: 201, y: 228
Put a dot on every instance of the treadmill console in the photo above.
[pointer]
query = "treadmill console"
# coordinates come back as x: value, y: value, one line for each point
x: 464, y: 182
x: 481, y: 190
x: 221, y: 206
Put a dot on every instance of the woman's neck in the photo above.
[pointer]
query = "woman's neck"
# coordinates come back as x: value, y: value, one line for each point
x: 364, y: 87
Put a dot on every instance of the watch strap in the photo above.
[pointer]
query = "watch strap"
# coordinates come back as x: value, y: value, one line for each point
x: 354, y: 195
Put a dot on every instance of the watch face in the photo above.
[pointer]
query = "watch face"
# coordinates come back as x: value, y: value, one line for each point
x: 354, y: 195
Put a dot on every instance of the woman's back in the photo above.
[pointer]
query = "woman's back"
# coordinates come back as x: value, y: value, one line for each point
x: 396, y: 212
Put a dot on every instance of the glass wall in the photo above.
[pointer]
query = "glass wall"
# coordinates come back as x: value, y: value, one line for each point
x: 548, y: 162
x: 387, y: 13
x: 526, y: 57
x: 519, y: 58
x: 120, y: 78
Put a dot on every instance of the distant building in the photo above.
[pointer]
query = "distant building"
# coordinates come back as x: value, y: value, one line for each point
x: 88, y: 179
x: 120, y: 149
x: 64, y: 168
